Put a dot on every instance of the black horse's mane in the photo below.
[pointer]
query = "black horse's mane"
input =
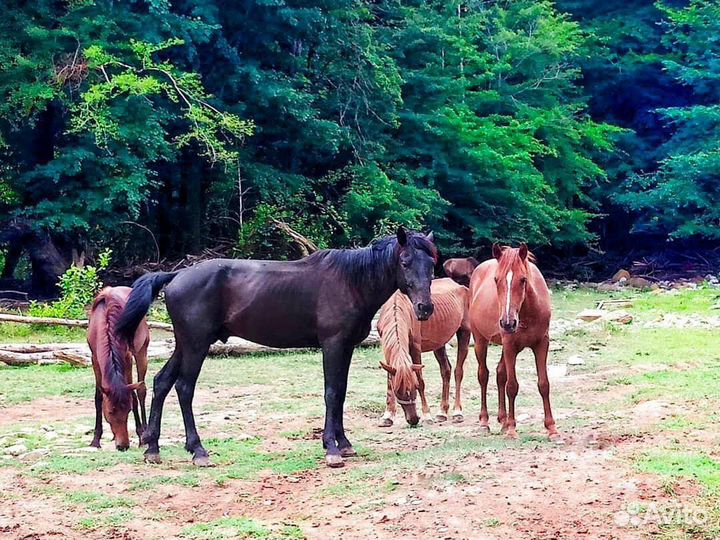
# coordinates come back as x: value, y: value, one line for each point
x: 365, y: 266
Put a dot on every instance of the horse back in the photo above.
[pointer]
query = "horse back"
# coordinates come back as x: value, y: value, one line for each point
x: 451, y: 301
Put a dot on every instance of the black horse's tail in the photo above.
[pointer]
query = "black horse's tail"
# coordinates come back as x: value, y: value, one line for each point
x: 144, y: 291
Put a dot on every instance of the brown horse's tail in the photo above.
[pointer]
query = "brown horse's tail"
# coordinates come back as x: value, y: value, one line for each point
x: 144, y: 291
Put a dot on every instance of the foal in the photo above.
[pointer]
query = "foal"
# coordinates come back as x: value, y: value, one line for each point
x: 112, y: 357
x: 510, y: 305
x: 404, y: 339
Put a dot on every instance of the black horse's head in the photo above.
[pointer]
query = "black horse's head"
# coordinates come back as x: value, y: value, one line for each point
x: 416, y: 264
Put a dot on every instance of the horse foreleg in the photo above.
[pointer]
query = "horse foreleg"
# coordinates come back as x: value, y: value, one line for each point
x: 141, y: 364
x: 336, y: 364
x: 541, y: 353
x: 501, y: 378
x: 136, y: 415
x: 98, y: 418
x: 445, y: 369
x: 162, y: 383
x: 511, y: 389
x: 388, y: 417
x: 481, y: 348
x: 416, y: 356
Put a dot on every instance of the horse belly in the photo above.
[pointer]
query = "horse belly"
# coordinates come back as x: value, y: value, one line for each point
x: 436, y: 333
x: 275, y: 320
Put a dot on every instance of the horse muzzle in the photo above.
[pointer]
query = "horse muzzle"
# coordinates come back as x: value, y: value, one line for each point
x: 424, y: 310
x: 509, y: 327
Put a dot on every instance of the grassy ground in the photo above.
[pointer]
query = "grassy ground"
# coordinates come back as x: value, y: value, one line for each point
x: 640, y: 417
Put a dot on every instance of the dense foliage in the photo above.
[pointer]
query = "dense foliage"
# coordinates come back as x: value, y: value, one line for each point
x: 201, y: 121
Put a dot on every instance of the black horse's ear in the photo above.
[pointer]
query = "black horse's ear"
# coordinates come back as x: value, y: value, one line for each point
x: 497, y: 251
x: 523, y: 251
x: 430, y: 236
x: 402, y: 236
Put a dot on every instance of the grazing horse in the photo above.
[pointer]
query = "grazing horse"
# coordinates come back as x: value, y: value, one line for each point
x: 404, y: 339
x: 112, y: 359
x: 326, y: 300
x: 510, y: 305
x: 460, y: 270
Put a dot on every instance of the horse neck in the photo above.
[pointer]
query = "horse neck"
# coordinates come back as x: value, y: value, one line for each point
x: 378, y: 281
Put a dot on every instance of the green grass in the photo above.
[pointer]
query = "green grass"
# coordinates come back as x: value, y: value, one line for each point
x: 37, y: 333
x: 677, y: 463
x: 686, y: 301
x: 94, y: 500
x: 22, y: 384
x: 238, y: 527
x: 243, y: 459
x: 189, y: 479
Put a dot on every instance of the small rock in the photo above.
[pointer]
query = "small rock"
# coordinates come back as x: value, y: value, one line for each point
x: 575, y: 360
x: 622, y: 317
x: 620, y: 274
x: 16, y: 449
x: 589, y: 315
x: 521, y: 418
x: 639, y: 283
x: 556, y: 371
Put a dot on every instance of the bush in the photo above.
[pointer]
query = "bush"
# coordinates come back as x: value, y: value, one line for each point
x: 78, y: 287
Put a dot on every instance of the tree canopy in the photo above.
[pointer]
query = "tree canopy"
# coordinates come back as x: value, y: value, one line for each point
x: 198, y: 121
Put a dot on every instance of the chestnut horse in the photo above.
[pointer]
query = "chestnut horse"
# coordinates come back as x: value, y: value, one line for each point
x: 325, y: 300
x: 112, y: 358
x: 404, y: 339
x: 460, y: 270
x: 510, y: 305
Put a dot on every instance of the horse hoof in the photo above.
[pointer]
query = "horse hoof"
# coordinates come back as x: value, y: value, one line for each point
x: 202, y: 461
x: 426, y: 420
x: 441, y: 417
x: 95, y: 444
x: 153, y: 458
x: 385, y: 422
x: 334, y: 461
x: 556, y: 438
x: 458, y: 418
x: 485, y: 429
x: 348, y: 451
x: 511, y: 434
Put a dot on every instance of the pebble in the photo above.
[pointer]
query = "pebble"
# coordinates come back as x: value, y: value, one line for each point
x: 16, y: 449
x: 575, y: 360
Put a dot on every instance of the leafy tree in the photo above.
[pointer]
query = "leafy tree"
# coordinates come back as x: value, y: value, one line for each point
x: 680, y: 199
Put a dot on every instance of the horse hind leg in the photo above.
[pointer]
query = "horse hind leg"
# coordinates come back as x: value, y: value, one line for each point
x: 445, y: 371
x: 185, y: 386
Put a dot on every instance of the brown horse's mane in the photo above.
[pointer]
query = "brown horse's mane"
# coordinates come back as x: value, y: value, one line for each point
x: 114, y: 348
x: 511, y: 257
x: 396, y: 323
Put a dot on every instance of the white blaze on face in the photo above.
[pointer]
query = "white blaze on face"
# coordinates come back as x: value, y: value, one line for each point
x: 508, y: 279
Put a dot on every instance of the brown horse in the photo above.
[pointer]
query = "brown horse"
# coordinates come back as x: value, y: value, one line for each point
x: 112, y: 358
x: 510, y: 305
x: 460, y: 270
x: 404, y: 339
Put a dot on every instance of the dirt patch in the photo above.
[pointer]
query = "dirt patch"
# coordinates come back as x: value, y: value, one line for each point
x: 47, y: 409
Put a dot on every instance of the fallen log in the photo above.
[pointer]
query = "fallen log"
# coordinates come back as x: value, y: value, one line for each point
x: 77, y: 323
x: 78, y: 354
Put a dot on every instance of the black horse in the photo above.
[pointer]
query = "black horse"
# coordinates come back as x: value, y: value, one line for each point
x: 326, y: 300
